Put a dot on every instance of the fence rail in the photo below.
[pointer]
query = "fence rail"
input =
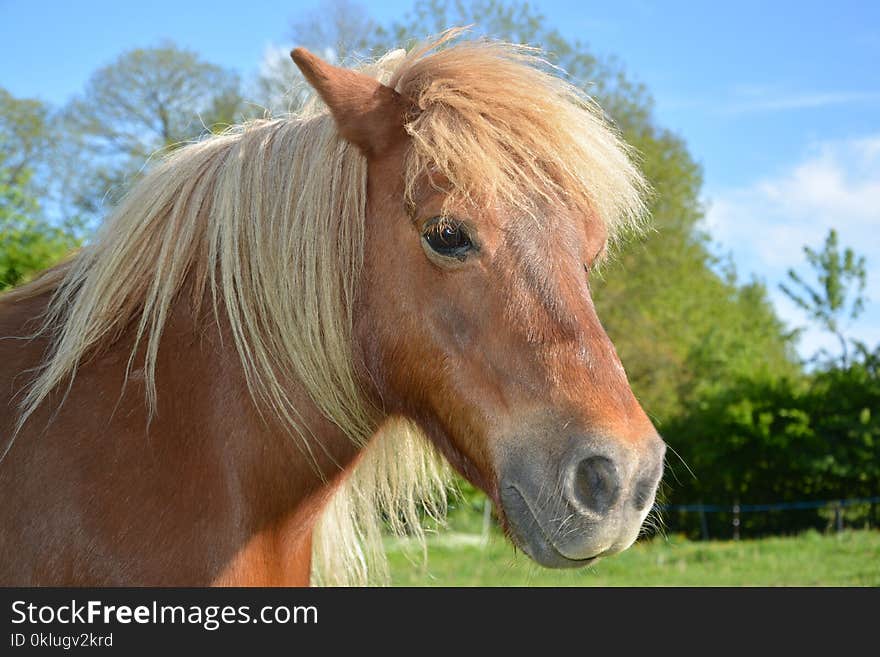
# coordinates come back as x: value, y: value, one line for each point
x: 736, y: 509
x: 776, y: 506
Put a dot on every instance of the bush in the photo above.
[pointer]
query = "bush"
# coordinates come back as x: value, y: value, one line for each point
x: 783, y: 440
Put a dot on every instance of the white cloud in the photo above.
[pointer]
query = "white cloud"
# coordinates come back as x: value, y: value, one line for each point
x: 275, y: 59
x: 279, y: 86
x: 766, y: 224
x: 803, y: 100
x: 747, y: 99
x: 277, y: 80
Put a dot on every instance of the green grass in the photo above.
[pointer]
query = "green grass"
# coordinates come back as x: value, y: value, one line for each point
x: 851, y: 558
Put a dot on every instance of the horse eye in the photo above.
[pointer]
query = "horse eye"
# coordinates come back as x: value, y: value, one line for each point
x: 447, y: 237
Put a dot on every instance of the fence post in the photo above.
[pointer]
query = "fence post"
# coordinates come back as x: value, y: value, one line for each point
x: 736, y: 520
x: 838, y: 517
x: 704, y: 524
x: 487, y: 520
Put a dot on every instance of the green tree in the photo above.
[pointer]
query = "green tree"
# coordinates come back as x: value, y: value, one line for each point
x: 25, y: 140
x: 28, y: 242
x: 838, y: 293
x: 341, y: 29
x: 147, y: 100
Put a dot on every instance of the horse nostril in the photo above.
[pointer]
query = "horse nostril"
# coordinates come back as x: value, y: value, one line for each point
x: 644, y: 493
x: 595, y: 484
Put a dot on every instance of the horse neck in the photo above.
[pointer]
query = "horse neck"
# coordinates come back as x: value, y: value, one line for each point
x: 286, y: 474
x: 257, y: 491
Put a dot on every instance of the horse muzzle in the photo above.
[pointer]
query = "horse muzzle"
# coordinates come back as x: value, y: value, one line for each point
x: 589, y: 502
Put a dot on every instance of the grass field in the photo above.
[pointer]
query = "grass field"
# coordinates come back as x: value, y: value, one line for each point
x: 851, y: 558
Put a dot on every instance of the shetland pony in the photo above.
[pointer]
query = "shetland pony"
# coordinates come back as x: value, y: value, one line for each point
x: 282, y: 334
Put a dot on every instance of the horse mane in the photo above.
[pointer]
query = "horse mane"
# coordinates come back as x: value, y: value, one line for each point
x: 266, y: 220
x: 497, y: 122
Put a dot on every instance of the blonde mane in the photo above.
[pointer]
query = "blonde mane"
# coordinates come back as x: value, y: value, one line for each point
x: 267, y: 221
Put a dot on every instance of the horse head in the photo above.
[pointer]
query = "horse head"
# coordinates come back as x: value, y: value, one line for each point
x: 493, y: 190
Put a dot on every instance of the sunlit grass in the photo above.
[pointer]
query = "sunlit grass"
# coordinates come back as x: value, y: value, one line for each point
x: 851, y: 558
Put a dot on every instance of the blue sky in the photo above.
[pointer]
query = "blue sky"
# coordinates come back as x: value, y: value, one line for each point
x: 779, y: 102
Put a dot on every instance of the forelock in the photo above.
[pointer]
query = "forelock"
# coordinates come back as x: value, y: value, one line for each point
x: 499, y: 123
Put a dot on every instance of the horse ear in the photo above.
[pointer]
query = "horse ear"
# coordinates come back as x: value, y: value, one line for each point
x: 368, y: 114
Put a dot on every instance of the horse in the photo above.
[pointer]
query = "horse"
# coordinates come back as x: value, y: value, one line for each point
x: 283, y: 336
